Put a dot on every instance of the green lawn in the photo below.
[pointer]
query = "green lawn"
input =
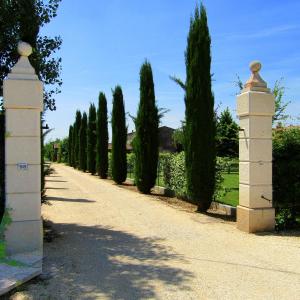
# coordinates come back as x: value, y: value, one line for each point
x: 231, y: 185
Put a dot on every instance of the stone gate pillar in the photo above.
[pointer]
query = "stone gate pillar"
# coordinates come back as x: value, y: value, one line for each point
x: 255, y: 109
x: 23, y: 102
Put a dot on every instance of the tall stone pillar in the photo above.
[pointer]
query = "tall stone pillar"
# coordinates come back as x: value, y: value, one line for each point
x: 23, y: 102
x: 255, y: 109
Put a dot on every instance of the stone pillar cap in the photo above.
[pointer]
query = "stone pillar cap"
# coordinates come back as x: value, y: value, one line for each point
x: 255, y: 82
x: 24, y: 49
x: 23, y: 69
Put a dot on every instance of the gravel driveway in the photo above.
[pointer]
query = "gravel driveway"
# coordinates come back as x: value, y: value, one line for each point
x: 114, y: 243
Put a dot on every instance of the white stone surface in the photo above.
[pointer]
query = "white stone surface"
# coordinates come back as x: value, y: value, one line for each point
x: 255, y: 150
x: 255, y: 104
x: 23, y: 149
x: 256, y: 127
x: 23, y: 94
x: 18, y: 181
x: 255, y: 108
x: 251, y: 195
x: 24, y: 207
x: 24, y: 236
x: 255, y: 173
x: 23, y: 122
x: 13, y: 276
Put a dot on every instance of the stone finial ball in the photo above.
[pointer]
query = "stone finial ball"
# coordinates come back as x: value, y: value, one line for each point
x: 24, y: 49
x: 255, y: 66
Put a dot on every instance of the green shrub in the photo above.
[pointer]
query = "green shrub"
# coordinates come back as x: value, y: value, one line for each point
x: 130, y: 164
x: 286, y: 171
x: 165, y: 168
x: 109, y: 170
x: 174, y: 174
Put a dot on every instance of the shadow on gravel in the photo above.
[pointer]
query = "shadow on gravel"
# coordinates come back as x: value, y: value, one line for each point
x: 55, y: 188
x: 114, y: 263
x: 69, y: 199
x: 56, y: 180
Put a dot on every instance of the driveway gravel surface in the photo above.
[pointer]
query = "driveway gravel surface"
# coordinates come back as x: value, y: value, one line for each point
x: 109, y: 242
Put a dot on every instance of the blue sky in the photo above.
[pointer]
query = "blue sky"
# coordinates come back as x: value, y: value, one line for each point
x: 105, y: 43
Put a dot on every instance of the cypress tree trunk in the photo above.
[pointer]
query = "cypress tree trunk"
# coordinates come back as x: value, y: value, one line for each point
x: 77, y: 141
x: 200, y: 120
x: 70, y: 145
x: 119, y: 138
x: 146, y: 140
x: 83, y: 143
x: 102, y: 137
x: 91, y: 140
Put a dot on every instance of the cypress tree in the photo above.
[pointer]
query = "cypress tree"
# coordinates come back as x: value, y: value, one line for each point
x: 146, y: 140
x: 91, y: 140
x: 200, y: 131
x: 73, y: 144
x: 70, y: 145
x: 76, y: 141
x: 83, y: 143
x: 119, y: 138
x: 102, y: 137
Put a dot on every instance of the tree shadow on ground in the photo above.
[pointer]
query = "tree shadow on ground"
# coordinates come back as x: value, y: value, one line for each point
x: 55, y: 188
x: 56, y: 180
x: 50, y: 198
x: 93, y: 260
x: 288, y: 233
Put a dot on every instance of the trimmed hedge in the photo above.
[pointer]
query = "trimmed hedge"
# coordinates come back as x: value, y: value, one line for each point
x: 174, y: 175
x: 286, y: 174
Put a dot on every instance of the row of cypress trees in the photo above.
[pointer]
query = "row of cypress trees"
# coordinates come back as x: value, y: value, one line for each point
x: 84, y: 136
x: 199, y: 130
x: 88, y: 136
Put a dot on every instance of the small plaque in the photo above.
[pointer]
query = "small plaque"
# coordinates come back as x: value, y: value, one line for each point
x: 22, y: 166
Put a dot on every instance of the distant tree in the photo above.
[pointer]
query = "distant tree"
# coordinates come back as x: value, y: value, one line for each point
x: 76, y: 140
x: 102, y: 137
x: 227, y: 142
x: 83, y: 143
x: 63, y: 155
x: 22, y: 20
x: 91, y: 140
x: 178, y: 137
x: 146, y: 139
x: 70, y: 145
x: 200, y: 131
x: 119, y: 137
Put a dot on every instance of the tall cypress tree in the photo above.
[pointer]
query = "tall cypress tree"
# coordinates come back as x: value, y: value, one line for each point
x: 119, y: 138
x: 91, y: 140
x: 70, y: 145
x: 146, y: 140
x: 76, y: 136
x: 200, y: 131
x: 83, y: 143
x: 102, y: 137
